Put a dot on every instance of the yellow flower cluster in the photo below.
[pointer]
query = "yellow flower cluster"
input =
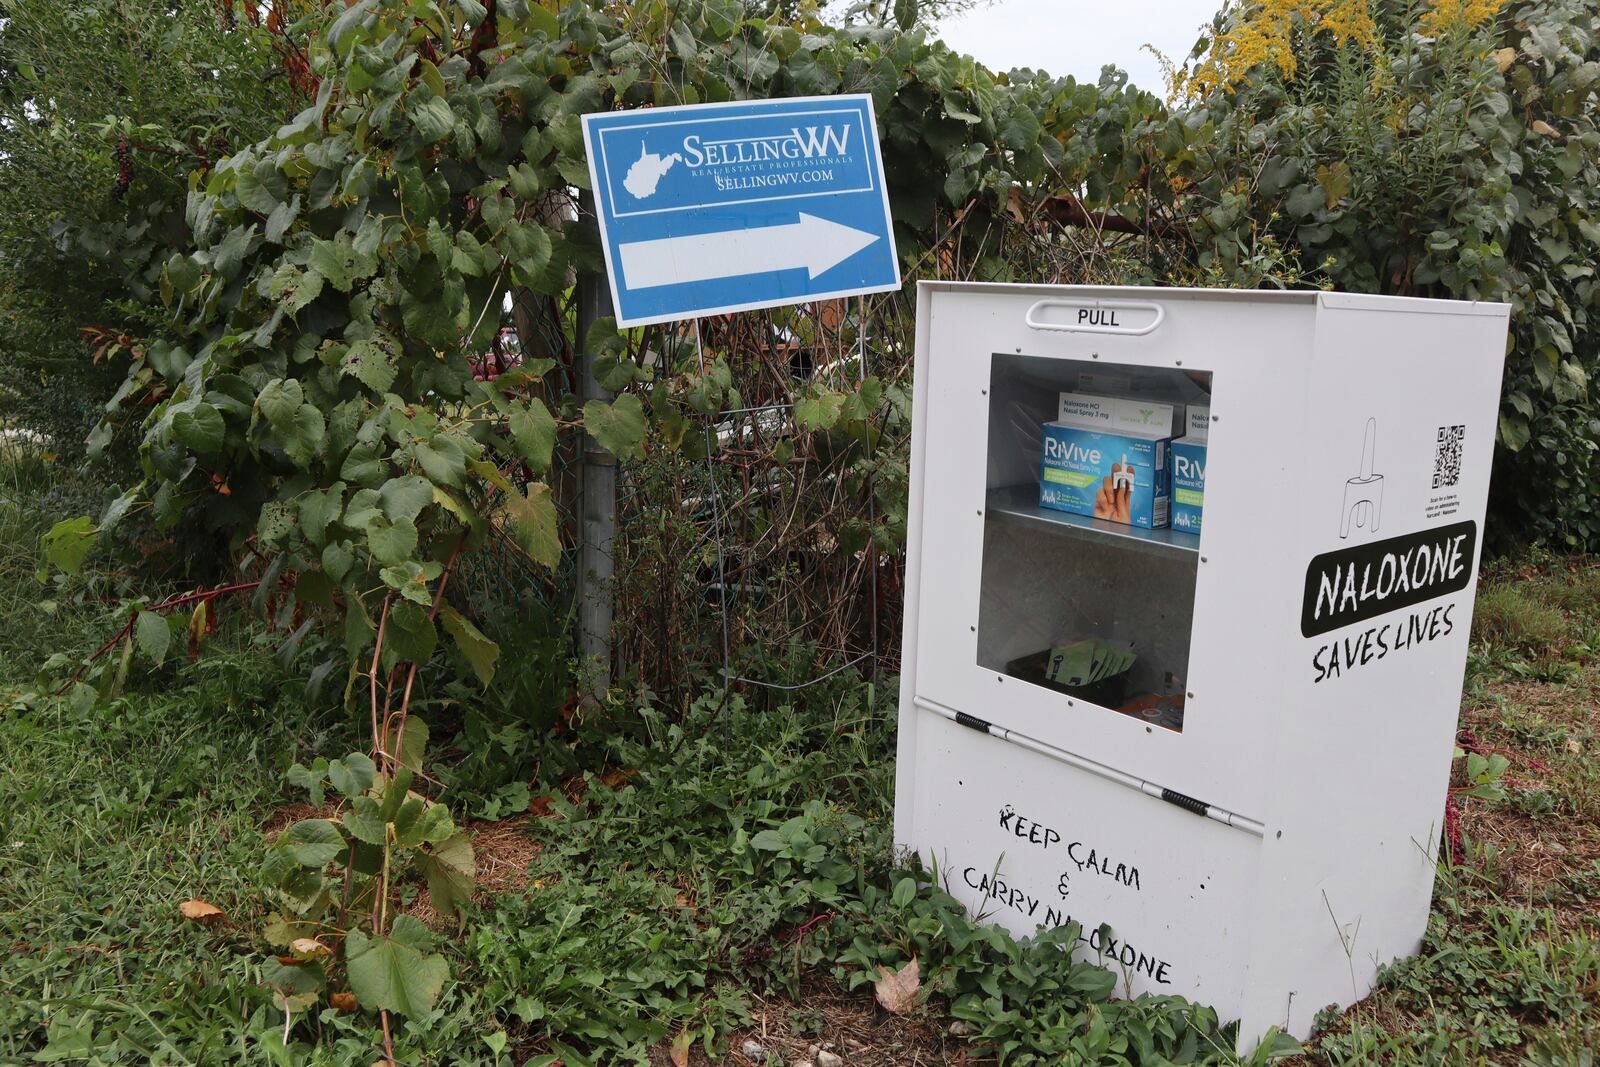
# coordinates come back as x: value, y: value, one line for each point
x: 1447, y: 15
x: 1263, y: 32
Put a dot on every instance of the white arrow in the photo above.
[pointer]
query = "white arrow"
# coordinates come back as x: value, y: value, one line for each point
x: 813, y: 243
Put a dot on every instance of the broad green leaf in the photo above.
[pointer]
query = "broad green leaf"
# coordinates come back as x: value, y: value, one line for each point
x: 259, y: 187
x: 327, y: 262
x: 413, y: 742
x: 182, y: 272
x: 429, y: 74
x: 278, y: 222
x: 411, y: 636
x: 405, y: 497
x: 370, y: 364
x: 534, y: 430
x: 1306, y: 201
x: 391, y: 973
x: 200, y: 428
x: 65, y: 544
x: 295, y: 288
x: 365, y: 821
x: 406, y: 818
x: 534, y: 523
x: 275, y: 521
x: 450, y: 869
x: 433, y: 118
x: 352, y: 775
x: 337, y: 558
x: 542, y: 20
x: 480, y: 652
x: 527, y: 244
x: 422, y: 821
x: 365, y: 505
x: 341, y: 262
x: 443, y: 460
x: 280, y: 401
x: 769, y: 841
x: 392, y: 543
x: 314, y: 842
x: 318, y: 509
x: 302, y: 438
x: 410, y: 579
x: 1514, y: 432
x: 230, y: 252
x: 309, y: 778
x: 153, y: 634
x: 363, y: 465
x: 819, y: 410
x: 619, y: 426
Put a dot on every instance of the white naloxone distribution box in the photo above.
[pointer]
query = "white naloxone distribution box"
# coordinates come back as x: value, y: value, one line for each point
x: 1241, y: 801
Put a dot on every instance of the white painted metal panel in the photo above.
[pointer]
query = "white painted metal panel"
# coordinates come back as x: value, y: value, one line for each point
x: 1030, y: 843
x: 1247, y: 578
x: 1361, y: 759
x: 1336, y: 446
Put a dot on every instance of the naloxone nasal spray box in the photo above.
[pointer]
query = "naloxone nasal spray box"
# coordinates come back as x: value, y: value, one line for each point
x: 1108, y: 458
x: 1117, y: 476
x: 1189, y: 471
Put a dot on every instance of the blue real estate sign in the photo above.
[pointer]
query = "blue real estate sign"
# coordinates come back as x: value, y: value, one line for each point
x: 713, y: 208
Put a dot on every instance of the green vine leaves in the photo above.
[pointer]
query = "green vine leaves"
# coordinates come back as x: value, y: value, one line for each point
x: 315, y: 391
x: 331, y: 876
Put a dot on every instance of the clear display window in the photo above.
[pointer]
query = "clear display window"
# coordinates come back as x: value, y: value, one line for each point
x: 1094, y: 506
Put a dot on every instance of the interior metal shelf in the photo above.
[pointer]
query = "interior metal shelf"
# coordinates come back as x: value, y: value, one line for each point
x: 1020, y: 504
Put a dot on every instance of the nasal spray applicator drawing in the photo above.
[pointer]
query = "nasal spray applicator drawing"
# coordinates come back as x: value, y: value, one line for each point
x: 1363, y: 494
x: 1122, y: 476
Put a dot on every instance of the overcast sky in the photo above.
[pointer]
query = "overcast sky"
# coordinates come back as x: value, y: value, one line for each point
x: 1078, y: 37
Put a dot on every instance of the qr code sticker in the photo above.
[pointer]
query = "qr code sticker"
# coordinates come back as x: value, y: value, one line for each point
x: 1447, y: 457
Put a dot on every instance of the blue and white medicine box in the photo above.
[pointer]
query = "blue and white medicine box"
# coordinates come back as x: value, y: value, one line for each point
x: 1108, y: 458
x: 1189, y: 471
x: 1082, y: 471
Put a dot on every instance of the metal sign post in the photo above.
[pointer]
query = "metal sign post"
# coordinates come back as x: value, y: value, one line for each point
x: 716, y: 208
x: 597, y: 518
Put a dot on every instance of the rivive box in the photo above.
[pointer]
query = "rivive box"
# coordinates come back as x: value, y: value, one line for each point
x: 1077, y: 463
x: 1189, y: 471
x: 1111, y: 443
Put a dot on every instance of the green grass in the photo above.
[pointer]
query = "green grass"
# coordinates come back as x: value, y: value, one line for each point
x: 685, y: 852
x: 113, y: 818
x: 1515, y: 618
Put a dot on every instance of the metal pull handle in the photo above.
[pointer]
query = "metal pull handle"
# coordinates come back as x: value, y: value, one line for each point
x: 1097, y: 327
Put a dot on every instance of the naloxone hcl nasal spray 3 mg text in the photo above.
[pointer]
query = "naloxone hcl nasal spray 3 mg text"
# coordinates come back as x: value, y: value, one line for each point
x: 1140, y: 417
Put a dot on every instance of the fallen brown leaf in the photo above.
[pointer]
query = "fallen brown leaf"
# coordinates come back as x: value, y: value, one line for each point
x: 309, y: 948
x: 1504, y: 58
x: 201, y: 912
x: 680, y: 1049
x: 897, y: 992
x: 343, y: 1003
x: 618, y: 778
